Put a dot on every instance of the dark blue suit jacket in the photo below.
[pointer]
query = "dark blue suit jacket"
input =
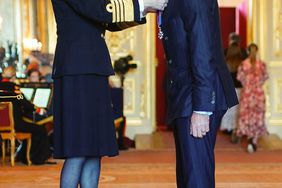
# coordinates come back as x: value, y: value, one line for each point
x: 81, y: 25
x: 198, y: 78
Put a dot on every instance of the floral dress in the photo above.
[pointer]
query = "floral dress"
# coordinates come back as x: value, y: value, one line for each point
x: 252, y: 101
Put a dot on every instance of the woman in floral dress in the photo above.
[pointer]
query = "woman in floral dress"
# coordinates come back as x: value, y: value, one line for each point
x: 252, y: 74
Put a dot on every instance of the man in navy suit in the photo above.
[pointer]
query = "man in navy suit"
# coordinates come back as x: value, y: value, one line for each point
x: 200, y: 88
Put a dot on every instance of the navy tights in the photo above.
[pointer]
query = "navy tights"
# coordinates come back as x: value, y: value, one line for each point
x: 81, y: 171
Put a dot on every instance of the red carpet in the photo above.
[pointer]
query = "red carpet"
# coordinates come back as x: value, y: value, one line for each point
x: 155, y: 168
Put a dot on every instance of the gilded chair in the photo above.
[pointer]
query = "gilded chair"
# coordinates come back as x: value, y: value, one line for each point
x: 7, y: 132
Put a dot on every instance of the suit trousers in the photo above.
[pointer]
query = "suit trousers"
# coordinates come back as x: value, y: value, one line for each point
x: 195, y: 163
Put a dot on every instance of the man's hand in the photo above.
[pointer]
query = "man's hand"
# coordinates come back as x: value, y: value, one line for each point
x: 199, y: 125
x: 154, y: 5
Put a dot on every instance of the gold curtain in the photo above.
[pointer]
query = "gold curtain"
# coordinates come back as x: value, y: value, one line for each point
x: 38, y: 22
x: 42, y: 24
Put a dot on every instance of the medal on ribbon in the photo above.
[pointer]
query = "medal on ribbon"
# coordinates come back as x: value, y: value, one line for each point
x: 160, y: 33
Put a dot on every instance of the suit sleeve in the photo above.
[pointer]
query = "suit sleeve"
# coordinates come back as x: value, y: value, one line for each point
x: 197, y: 22
x: 107, y: 11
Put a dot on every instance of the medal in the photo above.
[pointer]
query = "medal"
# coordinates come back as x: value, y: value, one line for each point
x: 160, y: 33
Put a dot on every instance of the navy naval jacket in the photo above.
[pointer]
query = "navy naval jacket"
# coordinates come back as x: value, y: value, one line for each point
x: 81, y: 26
x: 198, y: 78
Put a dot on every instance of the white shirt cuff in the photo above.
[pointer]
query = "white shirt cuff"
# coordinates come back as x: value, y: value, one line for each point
x: 141, y: 7
x: 203, y: 113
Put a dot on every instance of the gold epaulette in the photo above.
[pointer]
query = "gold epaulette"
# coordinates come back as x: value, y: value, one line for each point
x: 19, y: 97
x: 122, y: 10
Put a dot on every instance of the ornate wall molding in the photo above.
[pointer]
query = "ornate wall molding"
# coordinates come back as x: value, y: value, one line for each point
x: 277, y: 15
x: 265, y: 29
x: 274, y: 98
x: 139, y: 85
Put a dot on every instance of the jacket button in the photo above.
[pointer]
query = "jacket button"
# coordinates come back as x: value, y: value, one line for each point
x: 171, y: 81
x: 213, y: 98
x: 170, y: 61
x: 166, y: 38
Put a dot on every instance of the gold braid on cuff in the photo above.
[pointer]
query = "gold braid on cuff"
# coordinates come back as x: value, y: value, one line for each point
x: 121, y: 10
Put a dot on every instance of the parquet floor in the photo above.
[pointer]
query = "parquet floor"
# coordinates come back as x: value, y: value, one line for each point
x: 154, y: 168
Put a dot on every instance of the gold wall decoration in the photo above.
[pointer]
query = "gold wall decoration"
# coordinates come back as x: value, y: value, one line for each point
x: 274, y: 111
x: 27, y: 23
x: 265, y: 29
x: 250, y: 21
x: 120, y: 42
x: 42, y: 24
x: 143, y: 101
x: 38, y: 22
x: 26, y: 18
x: 129, y: 100
x: 279, y: 96
x: 139, y: 86
x: 277, y: 28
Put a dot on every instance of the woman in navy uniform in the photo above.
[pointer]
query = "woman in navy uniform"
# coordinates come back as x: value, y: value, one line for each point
x: 84, y: 129
x: 200, y: 88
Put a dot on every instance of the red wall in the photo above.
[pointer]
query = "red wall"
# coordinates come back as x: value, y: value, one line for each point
x: 228, y: 23
x: 229, y: 17
x: 160, y: 99
x: 241, y: 22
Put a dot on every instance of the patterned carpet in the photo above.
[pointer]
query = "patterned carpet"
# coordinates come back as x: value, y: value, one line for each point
x: 154, y: 168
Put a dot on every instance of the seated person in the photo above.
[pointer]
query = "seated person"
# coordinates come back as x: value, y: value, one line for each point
x: 33, y: 75
x: 9, y: 74
x: 32, y: 63
x: 40, y: 147
x: 8, y: 79
x: 46, y: 72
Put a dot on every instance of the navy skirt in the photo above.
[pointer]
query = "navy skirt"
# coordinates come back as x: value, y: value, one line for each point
x: 83, y: 117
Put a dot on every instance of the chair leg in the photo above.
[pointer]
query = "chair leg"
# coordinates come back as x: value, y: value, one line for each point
x: 3, y: 152
x: 28, y: 151
x: 12, y: 151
